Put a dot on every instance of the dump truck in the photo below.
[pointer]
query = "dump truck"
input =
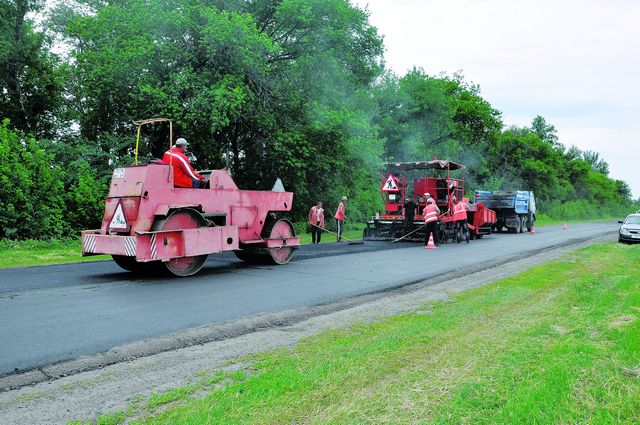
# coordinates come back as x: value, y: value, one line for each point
x: 515, y: 210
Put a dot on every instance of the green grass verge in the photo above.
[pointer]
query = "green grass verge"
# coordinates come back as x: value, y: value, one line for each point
x: 34, y: 253
x: 558, y: 343
x: 545, y: 220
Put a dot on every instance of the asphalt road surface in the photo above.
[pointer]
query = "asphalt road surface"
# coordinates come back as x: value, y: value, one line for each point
x: 54, y: 313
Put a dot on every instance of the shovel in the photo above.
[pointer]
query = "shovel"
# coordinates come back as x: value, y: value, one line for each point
x: 351, y: 242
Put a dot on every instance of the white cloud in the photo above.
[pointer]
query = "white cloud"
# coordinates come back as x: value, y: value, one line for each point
x: 577, y: 63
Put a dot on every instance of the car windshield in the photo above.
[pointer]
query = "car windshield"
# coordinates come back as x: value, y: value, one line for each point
x: 632, y: 219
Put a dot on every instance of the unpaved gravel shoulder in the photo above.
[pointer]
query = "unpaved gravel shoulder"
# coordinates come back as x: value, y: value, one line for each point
x: 83, y: 396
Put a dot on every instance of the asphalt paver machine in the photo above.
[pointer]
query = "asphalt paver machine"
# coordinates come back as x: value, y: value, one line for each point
x: 444, y: 182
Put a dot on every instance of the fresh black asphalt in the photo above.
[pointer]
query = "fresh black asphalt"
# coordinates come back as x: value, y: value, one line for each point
x: 55, y: 313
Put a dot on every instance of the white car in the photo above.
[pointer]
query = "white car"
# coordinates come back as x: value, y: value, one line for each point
x: 630, y: 229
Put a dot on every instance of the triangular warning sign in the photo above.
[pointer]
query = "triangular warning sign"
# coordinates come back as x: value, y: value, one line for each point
x: 119, y: 222
x: 390, y: 185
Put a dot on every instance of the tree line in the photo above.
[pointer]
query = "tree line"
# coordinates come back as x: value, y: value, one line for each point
x: 295, y: 89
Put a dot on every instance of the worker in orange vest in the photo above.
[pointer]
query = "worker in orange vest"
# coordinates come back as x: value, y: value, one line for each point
x: 430, y: 220
x: 316, y: 220
x: 459, y: 211
x: 340, y: 216
x: 183, y: 173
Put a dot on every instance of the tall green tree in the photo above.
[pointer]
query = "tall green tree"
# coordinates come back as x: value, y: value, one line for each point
x: 598, y: 164
x: 545, y: 131
x: 30, y: 81
x: 420, y: 116
x: 266, y: 88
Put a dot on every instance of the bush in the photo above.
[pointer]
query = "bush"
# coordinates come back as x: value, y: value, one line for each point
x: 43, y: 197
x: 85, y: 196
x: 31, y: 189
x: 583, y: 210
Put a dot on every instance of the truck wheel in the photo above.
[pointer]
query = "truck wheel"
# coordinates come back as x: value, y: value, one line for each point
x: 178, y: 220
x: 467, y: 233
x: 529, y: 222
x: 523, y: 224
x: 518, y: 224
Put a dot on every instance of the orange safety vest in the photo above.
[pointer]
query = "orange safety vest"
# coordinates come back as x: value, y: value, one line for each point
x: 183, y: 172
x: 313, y: 216
x: 430, y: 214
x: 459, y: 212
x: 340, y: 213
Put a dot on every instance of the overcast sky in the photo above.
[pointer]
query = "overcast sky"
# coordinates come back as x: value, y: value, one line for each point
x: 576, y: 63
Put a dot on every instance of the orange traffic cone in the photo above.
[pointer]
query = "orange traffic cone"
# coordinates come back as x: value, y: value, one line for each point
x: 533, y: 231
x: 430, y: 244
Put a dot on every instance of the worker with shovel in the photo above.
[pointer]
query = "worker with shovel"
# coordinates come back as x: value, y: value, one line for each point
x: 340, y: 217
x: 316, y: 220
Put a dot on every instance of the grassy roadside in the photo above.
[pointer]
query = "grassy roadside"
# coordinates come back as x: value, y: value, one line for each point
x: 558, y: 343
x: 545, y: 220
x: 34, y: 253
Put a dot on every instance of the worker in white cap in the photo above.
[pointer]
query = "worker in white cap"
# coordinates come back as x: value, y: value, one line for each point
x: 183, y: 173
x: 341, y: 217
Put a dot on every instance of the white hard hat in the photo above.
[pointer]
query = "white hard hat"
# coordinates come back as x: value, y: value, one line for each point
x: 427, y: 195
x: 181, y: 141
x: 344, y: 198
x: 430, y: 201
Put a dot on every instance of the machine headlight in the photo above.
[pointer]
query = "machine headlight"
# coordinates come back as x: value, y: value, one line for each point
x: 624, y: 231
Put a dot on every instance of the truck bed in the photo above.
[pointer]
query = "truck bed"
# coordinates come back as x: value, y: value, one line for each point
x: 516, y: 200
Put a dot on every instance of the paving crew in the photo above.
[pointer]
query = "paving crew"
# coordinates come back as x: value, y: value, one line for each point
x: 183, y: 173
x: 316, y: 220
x: 431, y: 212
x: 340, y: 217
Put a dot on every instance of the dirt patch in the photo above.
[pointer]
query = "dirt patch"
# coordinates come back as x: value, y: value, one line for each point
x: 634, y: 372
x: 560, y: 329
x: 83, y: 396
x: 622, y: 321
